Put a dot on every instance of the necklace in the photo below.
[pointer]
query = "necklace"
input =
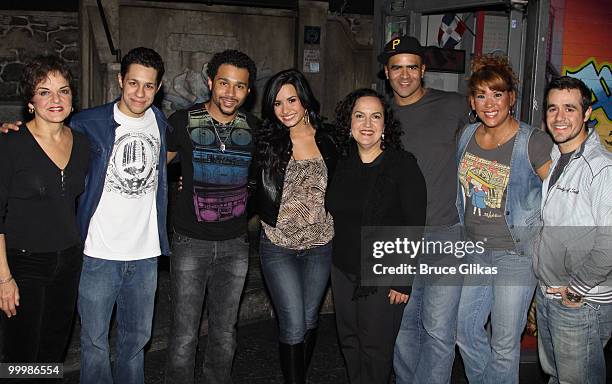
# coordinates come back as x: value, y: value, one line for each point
x: 221, y: 142
x: 505, y: 138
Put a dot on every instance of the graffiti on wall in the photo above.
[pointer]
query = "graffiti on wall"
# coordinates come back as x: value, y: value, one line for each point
x: 598, y: 77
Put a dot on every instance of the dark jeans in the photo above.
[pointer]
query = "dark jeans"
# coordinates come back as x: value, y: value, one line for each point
x: 217, y: 268
x: 296, y: 280
x: 367, y: 328
x: 47, y: 285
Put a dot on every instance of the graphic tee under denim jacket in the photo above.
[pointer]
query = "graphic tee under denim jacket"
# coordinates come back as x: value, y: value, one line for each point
x: 99, y: 125
x: 523, y: 193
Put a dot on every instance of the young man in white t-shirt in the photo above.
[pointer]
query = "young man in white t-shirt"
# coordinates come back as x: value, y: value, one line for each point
x: 122, y: 216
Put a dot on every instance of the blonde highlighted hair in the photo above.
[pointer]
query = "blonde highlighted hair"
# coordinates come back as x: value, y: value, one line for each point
x: 492, y: 71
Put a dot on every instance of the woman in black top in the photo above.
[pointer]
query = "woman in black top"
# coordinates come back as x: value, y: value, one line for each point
x: 42, y: 171
x: 295, y: 159
x: 376, y: 183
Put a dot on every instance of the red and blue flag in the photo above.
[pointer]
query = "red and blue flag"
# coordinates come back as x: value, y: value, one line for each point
x: 451, y: 31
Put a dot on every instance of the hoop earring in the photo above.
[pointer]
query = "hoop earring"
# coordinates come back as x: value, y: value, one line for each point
x: 472, y: 116
x: 306, y: 118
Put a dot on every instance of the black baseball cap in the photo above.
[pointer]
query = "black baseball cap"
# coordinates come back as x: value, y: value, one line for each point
x: 402, y: 44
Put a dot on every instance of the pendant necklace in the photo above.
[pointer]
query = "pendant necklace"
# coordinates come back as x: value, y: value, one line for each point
x: 221, y: 142
x: 505, y: 138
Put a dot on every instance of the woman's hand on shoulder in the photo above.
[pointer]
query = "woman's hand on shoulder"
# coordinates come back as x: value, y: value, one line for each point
x: 12, y: 126
x: 396, y: 297
x: 9, y: 297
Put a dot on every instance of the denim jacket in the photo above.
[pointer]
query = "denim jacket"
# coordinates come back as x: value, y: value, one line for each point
x: 99, y: 125
x: 523, y: 193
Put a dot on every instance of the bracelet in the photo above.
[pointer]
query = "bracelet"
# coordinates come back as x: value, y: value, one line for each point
x: 6, y: 280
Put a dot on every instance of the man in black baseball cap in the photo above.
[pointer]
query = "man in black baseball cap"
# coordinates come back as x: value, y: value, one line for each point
x: 430, y: 119
x: 404, y: 68
x: 403, y: 44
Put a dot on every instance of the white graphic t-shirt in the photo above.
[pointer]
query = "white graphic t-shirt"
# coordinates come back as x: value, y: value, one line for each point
x: 124, y: 225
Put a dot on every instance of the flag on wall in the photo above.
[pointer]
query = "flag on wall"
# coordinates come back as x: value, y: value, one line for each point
x: 451, y: 31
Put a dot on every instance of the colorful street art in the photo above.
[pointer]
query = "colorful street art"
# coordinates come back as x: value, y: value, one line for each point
x: 599, y: 79
x: 587, y: 54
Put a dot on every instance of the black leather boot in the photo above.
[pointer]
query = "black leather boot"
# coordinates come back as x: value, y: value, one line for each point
x: 292, y: 362
x: 310, y: 339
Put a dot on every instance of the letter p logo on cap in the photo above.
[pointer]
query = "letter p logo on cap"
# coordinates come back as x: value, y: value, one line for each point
x: 395, y: 43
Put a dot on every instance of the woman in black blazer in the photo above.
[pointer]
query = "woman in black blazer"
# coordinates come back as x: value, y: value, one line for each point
x: 376, y: 183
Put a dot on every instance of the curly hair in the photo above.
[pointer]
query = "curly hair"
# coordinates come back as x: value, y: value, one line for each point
x: 37, y: 69
x: 237, y: 59
x: 493, y: 71
x: 145, y: 57
x: 272, y: 139
x: 344, y: 112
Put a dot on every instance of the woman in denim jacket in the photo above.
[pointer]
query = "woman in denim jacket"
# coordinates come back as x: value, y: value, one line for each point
x: 501, y: 164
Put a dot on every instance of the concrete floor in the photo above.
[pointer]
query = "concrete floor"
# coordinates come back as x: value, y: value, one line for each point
x: 257, y: 355
x: 257, y: 359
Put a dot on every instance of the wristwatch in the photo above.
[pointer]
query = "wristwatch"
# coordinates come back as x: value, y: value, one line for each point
x: 573, y: 297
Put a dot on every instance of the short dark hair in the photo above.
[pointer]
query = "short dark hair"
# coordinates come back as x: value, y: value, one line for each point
x: 344, y: 112
x: 567, y: 82
x: 146, y: 57
x: 37, y: 69
x: 237, y: 59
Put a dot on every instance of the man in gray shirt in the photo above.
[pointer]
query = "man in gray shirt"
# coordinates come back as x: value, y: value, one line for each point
x: 430, y: 120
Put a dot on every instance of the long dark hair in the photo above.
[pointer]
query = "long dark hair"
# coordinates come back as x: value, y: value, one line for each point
x: 273, y: 139
x: 344, y: 112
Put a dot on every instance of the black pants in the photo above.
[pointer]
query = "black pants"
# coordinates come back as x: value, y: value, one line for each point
x: 47, y: 284
x: 367, y: 328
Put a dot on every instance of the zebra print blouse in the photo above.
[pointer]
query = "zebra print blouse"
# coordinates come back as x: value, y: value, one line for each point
x: 303, y: 222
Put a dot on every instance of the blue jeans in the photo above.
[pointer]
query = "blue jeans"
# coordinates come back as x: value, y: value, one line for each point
x: 131, y: 285
x: 571, y: 341
x: 296, y: 281
x: 506, y: 297
x: 425, y: 345
x: 217, y: 270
